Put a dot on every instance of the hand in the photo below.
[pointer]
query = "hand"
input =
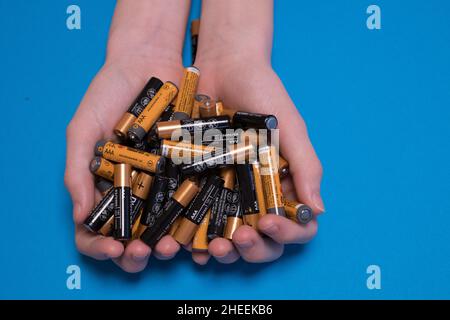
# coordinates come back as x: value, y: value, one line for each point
x: 237, y: 69
x: 132, y: 58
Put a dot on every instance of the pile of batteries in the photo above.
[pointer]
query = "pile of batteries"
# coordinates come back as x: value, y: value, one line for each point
x: 185, y: 165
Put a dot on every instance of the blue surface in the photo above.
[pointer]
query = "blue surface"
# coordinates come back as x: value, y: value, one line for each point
x: 378, y: 108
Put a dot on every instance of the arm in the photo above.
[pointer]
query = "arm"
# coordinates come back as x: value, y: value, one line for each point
x: 146, y: 39
x: 235, y: 44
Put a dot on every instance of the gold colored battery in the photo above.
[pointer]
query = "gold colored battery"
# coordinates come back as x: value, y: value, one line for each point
x: 107, y: 229
x: 185, y: 100
x: 203, y: 103
x: 175, y: 226
x: 298, y: 212
x: 102, y: 168
x: 283, y: 167
x: 136, y: 158
x: 234, y: 221
x: 271, y: 181
x: 259, y: 188
x: 152, y: 111
x: 199, y: 100
x: 176, y: 149
x: 135, y: 229
x: 200, y: 241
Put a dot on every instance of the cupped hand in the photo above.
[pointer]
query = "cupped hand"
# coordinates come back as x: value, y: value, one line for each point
x: 248, y: 83
x: 111, y: 92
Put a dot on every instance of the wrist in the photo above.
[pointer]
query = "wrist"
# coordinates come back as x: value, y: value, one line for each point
x: 235, y: 30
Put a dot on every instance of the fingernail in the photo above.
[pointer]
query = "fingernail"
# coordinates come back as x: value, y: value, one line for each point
x: 271, y: 229
x: 139, y: 258
x: 317, y: 199
x: 245, y: 244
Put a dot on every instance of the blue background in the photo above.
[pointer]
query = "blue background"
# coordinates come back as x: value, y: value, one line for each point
x: 378, y: 108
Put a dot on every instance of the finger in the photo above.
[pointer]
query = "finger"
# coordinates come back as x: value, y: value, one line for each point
x: 200, y: 258
x: 253, y: 248
x: 78, y: 179
x: 166, y: 248
x: 285, y: 231
x: 223, y: 251
x: 97, y: 246
x: 135, y: 257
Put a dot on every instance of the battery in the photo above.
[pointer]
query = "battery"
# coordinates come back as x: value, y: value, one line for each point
x: 102, y: 168
x: 283, y: 167
x: 103, y: 185
x: 191, y: 126
x: 155, y: 202
x: 255, y: 120
x: 171, y: 211
x: 172, y: 173
x: 233, y: 213
x: 152, y: 112
x: 224, y: 203
x: 197, y: 209
x: 271, y: 181
x: 136, y: 158
x: 179, y: 150
x: 248, y: 195
x: 298, y: 212
x: 236, y: 153
x: 185, y: 99
x: 201, y: 101
x: 140, y: 191
x: 152, y: 136
x: 101, y: 213
x: 122, y: 201
x: 200, y: 240
x: 142, y: 100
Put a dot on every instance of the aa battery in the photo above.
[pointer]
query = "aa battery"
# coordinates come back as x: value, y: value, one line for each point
x: 108, y: 227
x: 167, y: 114
x: 226, y: 203
x: 198, y: 209
x: 259, y: 188
x: 222, y: 139
x: 155, y: 202
x: 255, y: 120
x: 152, y: 112
x: 235, y: 154
x: 182, y: 150
x: 142, y: 100
x: 191, y: 126
x: 271, y: 181
x: 200, y: 240
x: 298, y: 212
x: 103, y: 185
x: 102, y: 168
x: 234, y: 216
x: 136, y: 158
x: 206, y: 106
x: 172, y: 174
x: 195, y: 29
x: 122, y: 201
x: 171, y: 211
x: 101, y: 213
x: 248, y: 193
x: 140, y: 191
x: 199, y: 101
x: 185, y: 99
x: 283, y: 167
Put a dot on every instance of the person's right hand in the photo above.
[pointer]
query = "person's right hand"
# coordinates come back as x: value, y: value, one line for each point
x: 134, y: 54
